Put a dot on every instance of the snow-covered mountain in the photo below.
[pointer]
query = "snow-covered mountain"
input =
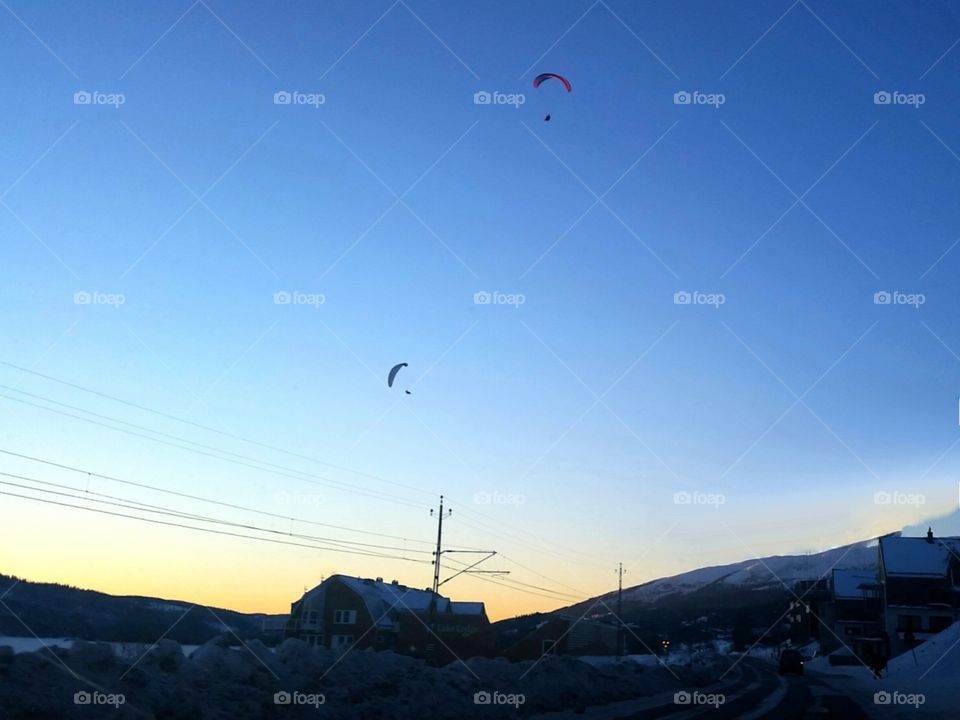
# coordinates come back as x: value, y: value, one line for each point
x: 759, y: 573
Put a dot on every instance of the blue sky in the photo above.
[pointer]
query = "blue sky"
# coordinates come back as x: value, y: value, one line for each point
x: 504, y: 399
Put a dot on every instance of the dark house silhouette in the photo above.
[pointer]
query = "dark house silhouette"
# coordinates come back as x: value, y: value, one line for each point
x: 345, y: 613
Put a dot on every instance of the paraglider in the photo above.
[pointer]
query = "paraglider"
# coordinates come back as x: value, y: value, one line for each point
x: 393, y: 374
x: 539, y: 79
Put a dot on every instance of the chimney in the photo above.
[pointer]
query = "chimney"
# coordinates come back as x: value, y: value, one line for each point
x: 394, y: 582
x: 930, y: 535
x: 380, y: 579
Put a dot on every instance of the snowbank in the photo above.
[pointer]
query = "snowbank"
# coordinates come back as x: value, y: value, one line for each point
x: 220, y: 681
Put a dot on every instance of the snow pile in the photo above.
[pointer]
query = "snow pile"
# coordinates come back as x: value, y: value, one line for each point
x: 219, y: 681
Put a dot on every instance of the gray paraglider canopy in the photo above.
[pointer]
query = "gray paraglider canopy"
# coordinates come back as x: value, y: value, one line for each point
x: 393, y: 373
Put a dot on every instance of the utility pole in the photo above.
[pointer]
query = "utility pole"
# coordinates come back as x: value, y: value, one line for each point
x: 620, y: 637
x: 439, y: 551
x: 436, y: 577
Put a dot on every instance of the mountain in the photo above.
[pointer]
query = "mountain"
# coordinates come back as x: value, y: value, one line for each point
x: 53, y: 610
x: 755, y: 574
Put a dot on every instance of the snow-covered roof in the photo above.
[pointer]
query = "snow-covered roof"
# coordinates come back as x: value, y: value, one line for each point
x: 849, y: 583
x: 916, y: 556
x: 385, y: 600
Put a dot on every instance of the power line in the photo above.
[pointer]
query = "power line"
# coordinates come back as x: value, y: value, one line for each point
x: 200, y: 498
x: 319, y: 480
x: 187, y: 527
x: 160, y: 509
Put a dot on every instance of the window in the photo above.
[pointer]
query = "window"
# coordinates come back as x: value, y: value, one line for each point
x: 337, y: 641
x: 345, y: 617
x: 908, y: 622
x: 548, y: 647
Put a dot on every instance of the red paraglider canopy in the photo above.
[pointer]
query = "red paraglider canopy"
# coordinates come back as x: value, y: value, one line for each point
x: 546, y: 76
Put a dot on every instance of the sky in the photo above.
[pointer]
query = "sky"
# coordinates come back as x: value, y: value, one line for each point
x: 664, y: 333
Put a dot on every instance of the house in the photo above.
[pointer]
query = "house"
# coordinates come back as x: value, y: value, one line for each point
x: 919, y: 578
x: 854, y: 614
x: 344, y: 613
x: 560, y: 634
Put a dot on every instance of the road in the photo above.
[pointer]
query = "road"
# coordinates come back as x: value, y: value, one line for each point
x: 758, y: 692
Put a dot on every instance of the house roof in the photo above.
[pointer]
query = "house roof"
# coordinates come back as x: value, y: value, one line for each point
x: 849, y: 583
x: 917, y: 557
x: 384, y: 600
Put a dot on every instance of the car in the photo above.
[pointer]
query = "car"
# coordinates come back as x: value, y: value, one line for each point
x: 791, y: 661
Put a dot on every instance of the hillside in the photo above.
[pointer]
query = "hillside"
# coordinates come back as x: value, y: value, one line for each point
x: 52, y: 610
